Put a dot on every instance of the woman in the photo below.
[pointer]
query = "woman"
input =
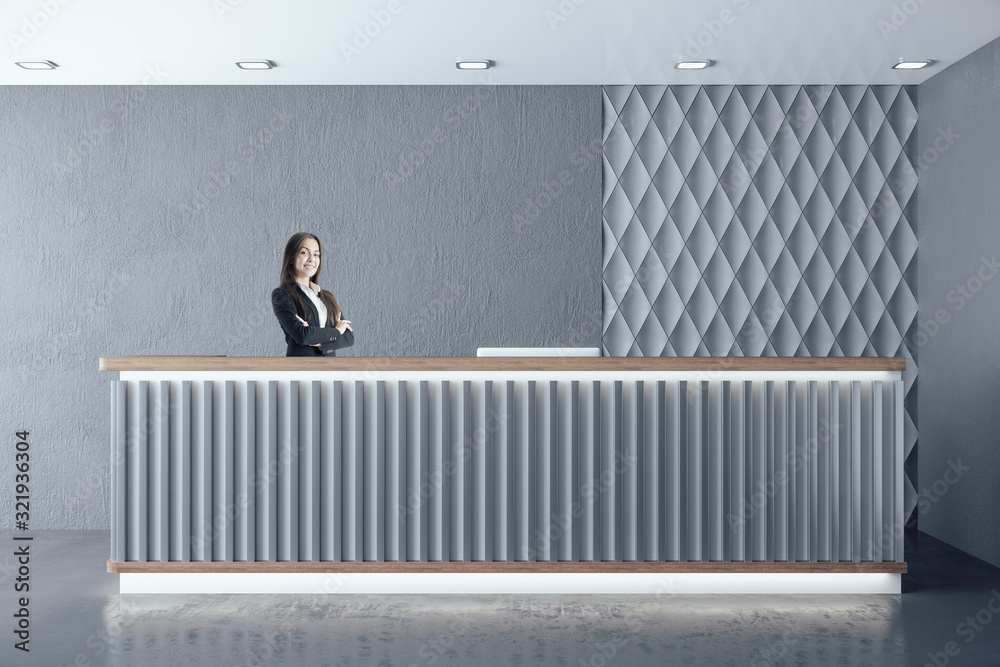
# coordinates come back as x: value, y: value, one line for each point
x: 309, y: 315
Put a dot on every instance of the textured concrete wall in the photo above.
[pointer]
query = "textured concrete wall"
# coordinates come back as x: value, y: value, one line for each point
x: 151, y: 220
x: 959, y: 286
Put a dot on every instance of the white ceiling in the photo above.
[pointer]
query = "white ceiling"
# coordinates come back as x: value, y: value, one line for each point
x: 531, y: 41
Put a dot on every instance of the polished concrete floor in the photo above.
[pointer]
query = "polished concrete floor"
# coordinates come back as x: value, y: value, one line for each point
x: 77, y: 618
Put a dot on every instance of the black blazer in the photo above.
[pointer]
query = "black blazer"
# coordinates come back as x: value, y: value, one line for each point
x: 301, y: 338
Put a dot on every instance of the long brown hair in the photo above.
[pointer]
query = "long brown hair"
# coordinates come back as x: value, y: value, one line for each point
x: 291, y: 287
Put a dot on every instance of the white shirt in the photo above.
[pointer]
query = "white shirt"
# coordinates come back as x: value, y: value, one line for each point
x: 313, y: 295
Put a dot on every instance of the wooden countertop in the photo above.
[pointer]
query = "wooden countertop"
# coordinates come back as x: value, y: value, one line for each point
x: 223, y: 363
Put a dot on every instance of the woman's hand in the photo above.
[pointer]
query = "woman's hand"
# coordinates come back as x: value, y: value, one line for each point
x: 343, y: 325
x: 305, y: 324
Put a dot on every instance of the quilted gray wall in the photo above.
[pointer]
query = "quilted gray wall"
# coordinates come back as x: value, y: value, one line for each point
x: 762, y: 221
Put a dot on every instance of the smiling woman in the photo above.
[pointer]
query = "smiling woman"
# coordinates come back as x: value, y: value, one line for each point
x: 312, y: 325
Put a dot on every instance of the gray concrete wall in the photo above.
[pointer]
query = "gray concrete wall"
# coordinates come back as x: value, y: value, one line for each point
x: 959, y: 320
x: 151, y: 220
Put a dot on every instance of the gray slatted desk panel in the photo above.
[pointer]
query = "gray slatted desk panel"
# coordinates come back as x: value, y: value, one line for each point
x: 506, y: 471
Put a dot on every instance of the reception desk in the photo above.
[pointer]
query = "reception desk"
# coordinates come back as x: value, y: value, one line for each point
x: 246, y: 474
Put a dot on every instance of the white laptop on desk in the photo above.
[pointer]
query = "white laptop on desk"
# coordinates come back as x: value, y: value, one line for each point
x: 538, y: 352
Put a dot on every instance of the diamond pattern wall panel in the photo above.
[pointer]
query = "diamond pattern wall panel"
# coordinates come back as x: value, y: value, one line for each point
x: 762, y: 221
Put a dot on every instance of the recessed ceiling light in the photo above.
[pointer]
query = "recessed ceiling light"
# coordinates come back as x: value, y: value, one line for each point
x: 255, y: 64
x: 692, y: 64
x: 912, y: 64
x: 36, y: 64
x: 474, y: 64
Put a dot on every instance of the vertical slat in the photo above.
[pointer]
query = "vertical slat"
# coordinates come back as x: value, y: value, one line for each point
x: 897, y: 446
x: 245, y: 456
x: 373, y: 463
x: 835, y: 430
x: 159, y: 471
x: 543, y: 475
x: 202, y: 463
x: 649, y: 502
x: 267, y: 473
x: 822, y: 478
x: 887, y: 541
x: 288, y: 492
x: 308, y: 472
x: 631, y: 446
x: 138, y: 472
x: 802, y: 466
x: 392, y: 493
x: 763, y: 424
x: 778, y: 502
x: 418, y: 469
x: 504, y: 443
x: 606, y: 471
x: 553, y: 431
x: 845, y: 472
x: 354, y: 446
x: 379, y: 481
x: 673, y: 443
x: 180, y: 472
x: 397, y: 471
x: 435, y: 474
x: 664, y: 430
x: 876, y: 462
x: 522, y: 477
x: 119, y: 470
x: 223, y: 473
x: 590, y: 411
x: 795, y: 430
x: 480, y: 470
x: 715, y: 472
x: 350, y: 547
x: 488, y: 513
x: 855, y: 478
x: 611, y: 500
x: 447, y: 475
x: 468, y: 451
x: 727, y: 470
x: 568, y: 471
x: 531, y: 457
x: 766, y: 494
x: 694, y: 471
x: 867, y: 450
x: 330, y: 483
x: 738, y: 507
x: 749, y: 425
x: 812, y: 444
